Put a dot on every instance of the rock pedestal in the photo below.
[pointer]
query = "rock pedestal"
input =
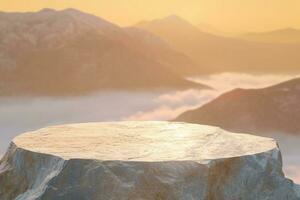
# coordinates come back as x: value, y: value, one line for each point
x: 142, y: 161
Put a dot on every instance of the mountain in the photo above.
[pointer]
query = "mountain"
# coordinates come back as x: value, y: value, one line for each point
x: 269, y: 110
x: 216, y: 54
x: 288, y: 35
x: 161, y: 50
x: 207, y: 28
x: 69, y: 52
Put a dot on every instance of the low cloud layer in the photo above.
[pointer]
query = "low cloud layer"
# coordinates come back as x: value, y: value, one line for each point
x: 170, y: 105
x: 229, y: 81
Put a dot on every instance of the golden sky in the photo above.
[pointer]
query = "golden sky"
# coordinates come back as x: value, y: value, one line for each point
x: 224, y: 15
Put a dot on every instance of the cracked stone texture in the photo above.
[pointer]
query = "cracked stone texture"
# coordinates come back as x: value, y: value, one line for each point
x: 143, y: 160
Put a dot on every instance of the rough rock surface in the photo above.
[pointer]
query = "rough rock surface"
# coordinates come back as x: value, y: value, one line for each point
x: 142, y: 160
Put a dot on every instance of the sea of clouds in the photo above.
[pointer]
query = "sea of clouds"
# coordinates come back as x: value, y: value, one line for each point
x: 18, y: 115
x: 171, y: 104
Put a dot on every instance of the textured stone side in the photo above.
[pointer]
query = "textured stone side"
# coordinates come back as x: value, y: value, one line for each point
x: 48, y: 177
x: 250, y: 177
x: 25, y: 175
x: 143, y: 161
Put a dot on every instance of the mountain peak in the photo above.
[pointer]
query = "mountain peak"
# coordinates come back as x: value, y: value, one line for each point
x: 47, y: 10
x: 174, y: 17
x: 65, y: 24
x: 174, y: 21
x: 72, y: 10
x: 63, y: 10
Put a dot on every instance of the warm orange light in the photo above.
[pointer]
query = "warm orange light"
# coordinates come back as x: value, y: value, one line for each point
x: 225, y: 15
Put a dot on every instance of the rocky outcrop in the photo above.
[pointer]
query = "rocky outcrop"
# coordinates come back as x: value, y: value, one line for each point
x: 142, y: 160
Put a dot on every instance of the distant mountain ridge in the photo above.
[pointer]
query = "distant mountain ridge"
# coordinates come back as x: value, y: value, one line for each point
x: 273, y: 109
x: 70, y: 52
x: 216, y: 53
x: 212, y: 30
x: 287, y: 35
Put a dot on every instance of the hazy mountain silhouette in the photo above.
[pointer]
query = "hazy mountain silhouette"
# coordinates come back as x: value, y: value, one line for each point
x: 69, y: 52
x: 269, y: 110
x: 218, y: 54
x: 159, y: 49
x: 203, y: 27
x: 288, y: 35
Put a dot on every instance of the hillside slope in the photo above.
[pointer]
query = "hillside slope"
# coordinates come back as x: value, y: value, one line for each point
x: 260, y: 111
x: 69, y: 52
x: 216, y: 54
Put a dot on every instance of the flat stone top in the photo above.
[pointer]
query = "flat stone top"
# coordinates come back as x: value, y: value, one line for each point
x: 142, y: 141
